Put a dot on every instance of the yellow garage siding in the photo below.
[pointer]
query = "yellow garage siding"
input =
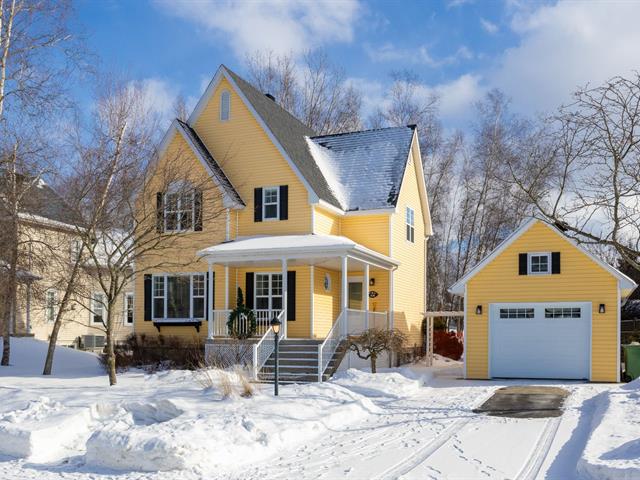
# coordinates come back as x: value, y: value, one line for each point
x: 250, y: 160
x: 409, y: 278
x: 372, y: 231
x: 581, y: 279
x: 325, y: 223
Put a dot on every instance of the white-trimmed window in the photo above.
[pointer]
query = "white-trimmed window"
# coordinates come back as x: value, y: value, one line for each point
x: 179, y: 210
x: 410, y: 222
x: 225, y: 106
x: 98, y: 307
x: 539, y: 263
x: 74, y: 250
x: 50, y: 297
x: 268, y: 291
x: 179, y: 296
x: 563, y: 312
x: 270, y: 203
x: 128, y: 308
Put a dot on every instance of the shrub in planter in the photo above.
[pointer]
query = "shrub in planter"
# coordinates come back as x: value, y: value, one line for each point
x: 242, y: 320
x: 447, y: 344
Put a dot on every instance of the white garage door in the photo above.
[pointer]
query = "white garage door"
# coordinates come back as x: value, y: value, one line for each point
x: 540, y: 340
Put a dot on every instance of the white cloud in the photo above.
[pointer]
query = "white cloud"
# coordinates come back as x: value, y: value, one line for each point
x: 564, y: 46
x: 488, y: 26
x: 159, y: 96
x: 417, y: 56
x: 283, y: 26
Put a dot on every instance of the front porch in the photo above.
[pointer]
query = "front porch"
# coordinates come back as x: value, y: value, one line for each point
x: 321, y: 288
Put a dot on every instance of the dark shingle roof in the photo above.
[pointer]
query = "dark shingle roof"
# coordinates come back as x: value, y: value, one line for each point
x: 44, y: 201
x: 225, y: 183
x: 366, y: 168
x: 631, y: 310
x: 290, y: 133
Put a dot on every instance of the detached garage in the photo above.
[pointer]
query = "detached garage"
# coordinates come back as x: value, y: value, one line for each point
x: 540, y: 306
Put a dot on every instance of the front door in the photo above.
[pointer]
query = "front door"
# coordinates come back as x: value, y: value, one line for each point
x: 355, y: 295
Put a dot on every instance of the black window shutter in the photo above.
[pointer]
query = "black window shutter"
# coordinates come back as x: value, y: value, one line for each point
x: 522, y: 264
x: 248, y: 298
x: 555, y: 262
x: 159, y: 213
x: 291, y: 295
x: 284, y: 202
x: 148, y: 279
x: 197, y: 211
x: 257, y: 204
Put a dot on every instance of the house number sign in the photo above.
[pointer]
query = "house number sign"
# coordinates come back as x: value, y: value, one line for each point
x: 373, y: 294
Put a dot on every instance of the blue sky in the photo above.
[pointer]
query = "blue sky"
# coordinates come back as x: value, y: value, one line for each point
x: 536, y: 52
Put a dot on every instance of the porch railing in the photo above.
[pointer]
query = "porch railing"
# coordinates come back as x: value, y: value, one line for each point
x: 264, y: 348
x: 349, y: 322
x: 263, y: 321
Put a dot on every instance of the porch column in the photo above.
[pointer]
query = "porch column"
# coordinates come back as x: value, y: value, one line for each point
x: 345, y: 291
x: 365, y: 296
x: 284, y: 298
x: 226, y: 287
x: 210, y: 318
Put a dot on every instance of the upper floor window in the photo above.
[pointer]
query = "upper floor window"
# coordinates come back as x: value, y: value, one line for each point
x: 539, y: 263
x: 98, y: 307
x: 270, y: 203
x: 225, y: 105
x: 50, y: 305
x: 128, y: 308
x: 410, y: 222
x: 74, y: 250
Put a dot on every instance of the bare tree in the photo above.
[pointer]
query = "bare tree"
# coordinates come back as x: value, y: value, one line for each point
x: 117, y: 184
x: 371, y: 343
x: 316, y: 91
x: 36, y: 58
x: 582, y: 169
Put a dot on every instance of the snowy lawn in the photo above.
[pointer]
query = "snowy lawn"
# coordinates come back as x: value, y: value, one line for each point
x: 412, y: 422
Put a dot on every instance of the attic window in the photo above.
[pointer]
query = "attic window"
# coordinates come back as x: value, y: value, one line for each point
x: 539, y: 263
x: 410, y: 221
x: 225, y: 106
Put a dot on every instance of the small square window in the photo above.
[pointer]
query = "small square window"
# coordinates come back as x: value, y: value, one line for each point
x: 539, y: 263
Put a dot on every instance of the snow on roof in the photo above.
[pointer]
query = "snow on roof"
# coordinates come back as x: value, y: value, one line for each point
x: 365, y: 168
x: 292, y: 246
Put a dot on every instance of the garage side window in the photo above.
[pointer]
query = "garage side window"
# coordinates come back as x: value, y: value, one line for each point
x: 516, y: 313
x: 571, y: 312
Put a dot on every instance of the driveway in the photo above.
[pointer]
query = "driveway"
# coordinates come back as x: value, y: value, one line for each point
x: 441, y: 432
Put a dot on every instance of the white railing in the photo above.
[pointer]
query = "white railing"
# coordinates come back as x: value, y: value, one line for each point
x: 263, y: 349
x: 327, y: 348
x: 263, y: 322
x: 358, y: 321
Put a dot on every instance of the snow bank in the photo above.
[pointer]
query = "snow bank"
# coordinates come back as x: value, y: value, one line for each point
x: 613, y: 447
x: 394, y: 384
x: 44, y: 431
x: 221, y: 433
x: 28, y: 356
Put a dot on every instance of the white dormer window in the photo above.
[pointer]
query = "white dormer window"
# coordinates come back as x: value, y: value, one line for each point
x: 539, y: 263
x: 270, y: 203
x: 225, y: 106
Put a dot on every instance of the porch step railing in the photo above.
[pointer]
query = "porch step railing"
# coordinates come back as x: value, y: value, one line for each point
x: 263, y: 321
x: 264, y: 348
x: 327, y: 348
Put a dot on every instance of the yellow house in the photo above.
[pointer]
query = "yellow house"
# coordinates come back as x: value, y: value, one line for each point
x: 541, y: 306
x: 327, y: 233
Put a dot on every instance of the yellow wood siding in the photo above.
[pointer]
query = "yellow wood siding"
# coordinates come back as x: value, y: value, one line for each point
x: 372, y: 231
x: 326, y: 223
x: 326, y: 303
x: 250, y: 159
x: 409, y: 278
x: 581, y: 279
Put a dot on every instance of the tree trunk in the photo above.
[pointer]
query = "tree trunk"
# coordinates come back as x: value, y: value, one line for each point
x: 10, y: 293
x: 111, y: 355
x: 373, y: 359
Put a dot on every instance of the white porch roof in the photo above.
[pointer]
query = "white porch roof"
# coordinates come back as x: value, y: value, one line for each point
x: 297, y: 249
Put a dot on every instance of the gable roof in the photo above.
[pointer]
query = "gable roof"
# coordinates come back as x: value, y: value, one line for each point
x: 290, y: 133
x: 365, y: 168
x: 457, y: 288
x: 203, y: 153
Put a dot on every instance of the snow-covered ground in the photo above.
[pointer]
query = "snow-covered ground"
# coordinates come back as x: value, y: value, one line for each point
x: 412, y: 423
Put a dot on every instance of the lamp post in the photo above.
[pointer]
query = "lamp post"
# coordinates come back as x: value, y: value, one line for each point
x: 275, y: 324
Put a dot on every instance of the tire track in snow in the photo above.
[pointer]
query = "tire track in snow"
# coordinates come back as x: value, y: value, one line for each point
x: 418, y: 457
x: 532, y: 466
